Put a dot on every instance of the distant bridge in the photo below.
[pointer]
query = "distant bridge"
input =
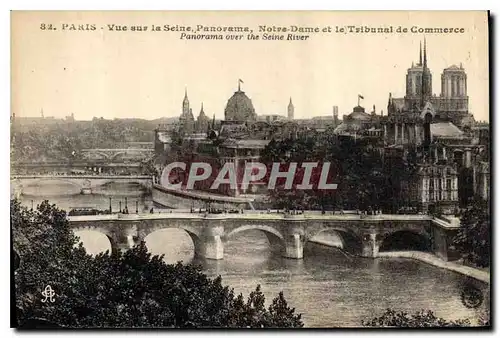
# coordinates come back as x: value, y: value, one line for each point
x: 287, y: 234
x: 132, y: 154
x: 85, y: 183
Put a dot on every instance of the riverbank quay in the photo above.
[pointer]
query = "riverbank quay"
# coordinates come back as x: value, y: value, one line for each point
x: 425, y: 257
x: 431, y: 259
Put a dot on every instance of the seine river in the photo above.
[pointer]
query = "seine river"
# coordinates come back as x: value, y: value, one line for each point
x: 327, y: 287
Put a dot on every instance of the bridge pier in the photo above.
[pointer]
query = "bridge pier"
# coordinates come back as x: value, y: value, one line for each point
x: 294, y: 247
x: 86, y: 191
x: 122, y: 241
x: 210, y: 247
x: 209, y: 244
x: 442, y: 243
x: 370, y: 245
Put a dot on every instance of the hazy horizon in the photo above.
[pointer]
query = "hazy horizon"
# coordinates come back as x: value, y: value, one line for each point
x: 144, y: 74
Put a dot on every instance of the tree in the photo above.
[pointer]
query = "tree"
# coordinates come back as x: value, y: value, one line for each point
x: 358, y: 171
x: 392, y: 318
x: 473, y: 238
x: 46, y: 245
x: 131, y: 289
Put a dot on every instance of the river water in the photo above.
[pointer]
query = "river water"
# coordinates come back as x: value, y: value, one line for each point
x: 327, y: 287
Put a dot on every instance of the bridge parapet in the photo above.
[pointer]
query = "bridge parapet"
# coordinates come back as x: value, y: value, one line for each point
x: 257, y: 216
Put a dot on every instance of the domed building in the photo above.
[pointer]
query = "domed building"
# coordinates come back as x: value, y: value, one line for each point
x: 239, y: 107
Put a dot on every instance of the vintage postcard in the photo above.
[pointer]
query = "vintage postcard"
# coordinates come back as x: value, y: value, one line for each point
x: 244, y: 169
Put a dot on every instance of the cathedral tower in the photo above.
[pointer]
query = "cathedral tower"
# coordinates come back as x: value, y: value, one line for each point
x: 419, y: 80
x: 454, y: 82
x: 454, y: 99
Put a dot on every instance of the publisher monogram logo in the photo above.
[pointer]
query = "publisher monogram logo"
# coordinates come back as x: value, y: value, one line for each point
x: 49, y: 294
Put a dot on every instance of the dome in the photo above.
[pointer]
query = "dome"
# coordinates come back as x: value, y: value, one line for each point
x: 239, y: 108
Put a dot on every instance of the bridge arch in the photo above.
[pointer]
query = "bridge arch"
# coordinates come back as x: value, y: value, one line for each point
x: 78, y: 184
x: 125, y: 180
x: 118, y: 155
x: 274, y: 236
x: 95, y: 155
x: 351, y: 242
x: 406, y: 240
x: 193, y: 232
x: 96, y: 229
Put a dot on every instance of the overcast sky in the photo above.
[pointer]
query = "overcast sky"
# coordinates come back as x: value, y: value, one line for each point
x: 144, y: 74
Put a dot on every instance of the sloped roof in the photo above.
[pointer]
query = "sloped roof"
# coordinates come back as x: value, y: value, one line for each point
x: 445, y: 129
x: 232, y: 128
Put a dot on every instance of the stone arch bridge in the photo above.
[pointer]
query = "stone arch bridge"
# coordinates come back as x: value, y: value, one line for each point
x: 287, y: 234
x: 85, y: 183
x: 132, y: 154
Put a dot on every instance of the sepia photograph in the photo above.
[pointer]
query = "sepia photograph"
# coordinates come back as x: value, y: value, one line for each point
x: 250, y: 169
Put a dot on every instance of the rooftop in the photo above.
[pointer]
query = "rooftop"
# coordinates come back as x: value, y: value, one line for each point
x: 445, y: 129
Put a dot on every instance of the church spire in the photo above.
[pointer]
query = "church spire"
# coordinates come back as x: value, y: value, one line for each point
x: 420, y: 58
x: 425, y: 54
x: 424, y: 84
x: 186, y: 100
x: 185, y: 104
x: 291, y: 109
x: 201, y: 111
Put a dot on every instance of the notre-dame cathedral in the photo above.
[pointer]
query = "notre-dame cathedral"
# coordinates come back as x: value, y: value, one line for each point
x: 440, y: 129
x: 406, y: 114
